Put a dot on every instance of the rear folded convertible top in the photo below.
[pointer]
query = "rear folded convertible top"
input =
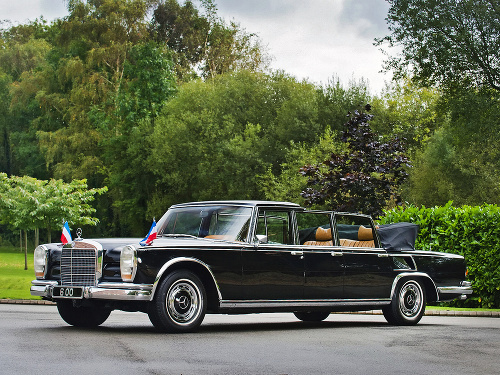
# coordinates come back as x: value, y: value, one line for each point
x: 398, y: 236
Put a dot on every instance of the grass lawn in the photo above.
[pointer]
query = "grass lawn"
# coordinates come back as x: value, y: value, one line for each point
x: 445, y: 308
x: 15, y: 282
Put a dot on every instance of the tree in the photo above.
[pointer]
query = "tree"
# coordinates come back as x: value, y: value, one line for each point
x: 202, y: 42
x: 215, y: 137
x: 408, y: 111
x: 461, y: 161
x: 83, y: 96
x: 337, y: 99
x: 148, y: 82
x: 334, y: 100
x: 443, y: 41
x: 287, y: 184
x: 21, y: 56
x: 363, y: 179
x: 184, y: 31
x: 18, y: 204
x: 29, y: 204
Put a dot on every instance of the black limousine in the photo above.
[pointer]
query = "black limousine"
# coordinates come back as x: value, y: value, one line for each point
x: 248, y: 257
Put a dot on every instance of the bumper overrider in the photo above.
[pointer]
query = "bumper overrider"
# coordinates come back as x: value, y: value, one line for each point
x: 109, y: 291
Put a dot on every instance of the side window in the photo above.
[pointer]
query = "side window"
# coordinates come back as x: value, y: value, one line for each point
x: 314, y: 228
x: 274, y: 227
x: 354, y: 231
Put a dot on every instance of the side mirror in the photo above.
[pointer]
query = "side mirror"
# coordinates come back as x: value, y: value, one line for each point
x: 261, y: 238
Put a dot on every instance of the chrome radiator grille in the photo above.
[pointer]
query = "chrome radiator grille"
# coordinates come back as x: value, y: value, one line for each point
x: 79, y: 265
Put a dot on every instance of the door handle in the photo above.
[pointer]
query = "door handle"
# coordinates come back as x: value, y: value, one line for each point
x: 336, y: 254
x: 383, y: 255
x: 297, y: 253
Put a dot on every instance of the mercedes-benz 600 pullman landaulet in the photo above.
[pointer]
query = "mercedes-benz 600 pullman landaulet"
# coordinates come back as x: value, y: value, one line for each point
x: 241, y: 257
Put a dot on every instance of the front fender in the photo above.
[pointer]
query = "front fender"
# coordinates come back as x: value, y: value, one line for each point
x: 177, y: 263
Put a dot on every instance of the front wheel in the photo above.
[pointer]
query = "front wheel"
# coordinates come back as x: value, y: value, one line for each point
x: 180, y: 303
x: 312, y: 316
x: 83, y: 316
x: 408, y: 304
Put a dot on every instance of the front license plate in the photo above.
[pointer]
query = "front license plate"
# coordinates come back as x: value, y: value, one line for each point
x: 67, y: 292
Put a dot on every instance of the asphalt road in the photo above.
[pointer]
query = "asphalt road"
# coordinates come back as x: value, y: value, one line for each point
x: 34, y: 340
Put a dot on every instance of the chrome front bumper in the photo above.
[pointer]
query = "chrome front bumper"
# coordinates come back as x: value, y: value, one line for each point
x: 114, y: 291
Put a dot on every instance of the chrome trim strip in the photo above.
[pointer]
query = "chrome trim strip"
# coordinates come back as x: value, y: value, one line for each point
x: 171, y: 262
x: 233, y: 304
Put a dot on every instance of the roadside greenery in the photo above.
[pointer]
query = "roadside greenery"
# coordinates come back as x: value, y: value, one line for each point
x: 30, y: 204
x: 366, y: 177
x: 15, y: 281
x: 471, y: 231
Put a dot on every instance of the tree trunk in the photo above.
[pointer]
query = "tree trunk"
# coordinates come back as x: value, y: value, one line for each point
x: 25, y: 250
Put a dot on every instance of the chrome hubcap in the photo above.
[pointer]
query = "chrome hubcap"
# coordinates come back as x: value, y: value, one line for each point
x: 410, y: 299
x: 183, y: 301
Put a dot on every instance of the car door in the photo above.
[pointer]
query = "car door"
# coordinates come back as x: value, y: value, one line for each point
x: 367, y: 267
x: 323, y: 263
x: 273, y: 269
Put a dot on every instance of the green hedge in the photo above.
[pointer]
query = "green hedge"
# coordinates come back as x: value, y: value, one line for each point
x: 473, y: 232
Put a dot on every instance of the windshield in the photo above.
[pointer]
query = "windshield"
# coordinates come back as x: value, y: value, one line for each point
x: 214, y: 222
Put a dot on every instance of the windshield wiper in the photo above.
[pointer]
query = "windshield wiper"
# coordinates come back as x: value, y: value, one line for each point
x: 179, y: 235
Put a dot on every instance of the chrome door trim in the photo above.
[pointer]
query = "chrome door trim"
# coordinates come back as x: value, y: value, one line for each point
x: 260, y: 304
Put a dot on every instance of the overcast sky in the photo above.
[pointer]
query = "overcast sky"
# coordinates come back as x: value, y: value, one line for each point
x: 311, y: 39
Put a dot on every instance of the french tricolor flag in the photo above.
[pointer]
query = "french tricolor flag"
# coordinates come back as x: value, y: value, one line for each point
x: 148, y: 240
x: 66, y: 234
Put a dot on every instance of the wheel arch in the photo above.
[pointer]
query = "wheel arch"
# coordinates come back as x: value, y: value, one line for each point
x: 426, y: 281
x: 201, y: 269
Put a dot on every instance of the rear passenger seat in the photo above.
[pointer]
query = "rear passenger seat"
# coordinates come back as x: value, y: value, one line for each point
x: 324, y: 238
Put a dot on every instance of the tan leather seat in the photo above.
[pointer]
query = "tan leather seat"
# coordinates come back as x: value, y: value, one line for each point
x: 323, y: 238
x: 219, y: 237
x: 365, y: 237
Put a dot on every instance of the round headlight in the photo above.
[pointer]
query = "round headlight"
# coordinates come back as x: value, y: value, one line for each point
x: 128, y: 263
x: 41, y: 261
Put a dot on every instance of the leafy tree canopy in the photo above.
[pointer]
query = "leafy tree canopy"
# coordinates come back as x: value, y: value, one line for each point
x: 442, y: 41
x: 215, y: 137
x: 203, y: 43
x: 461, y: 161
x: 28, y: 203
x: 365, y: 178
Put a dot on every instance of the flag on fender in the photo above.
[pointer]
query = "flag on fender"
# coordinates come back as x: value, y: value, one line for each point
x: 66, y: 234
x: 148, y: 240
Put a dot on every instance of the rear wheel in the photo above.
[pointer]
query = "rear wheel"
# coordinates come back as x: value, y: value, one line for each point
x: 408, y: 304
x: 180, y: 303
x: 83, y: 316
x: 312, y: 316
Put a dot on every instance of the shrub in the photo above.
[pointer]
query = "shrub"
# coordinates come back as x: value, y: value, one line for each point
x: 471, y: 231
